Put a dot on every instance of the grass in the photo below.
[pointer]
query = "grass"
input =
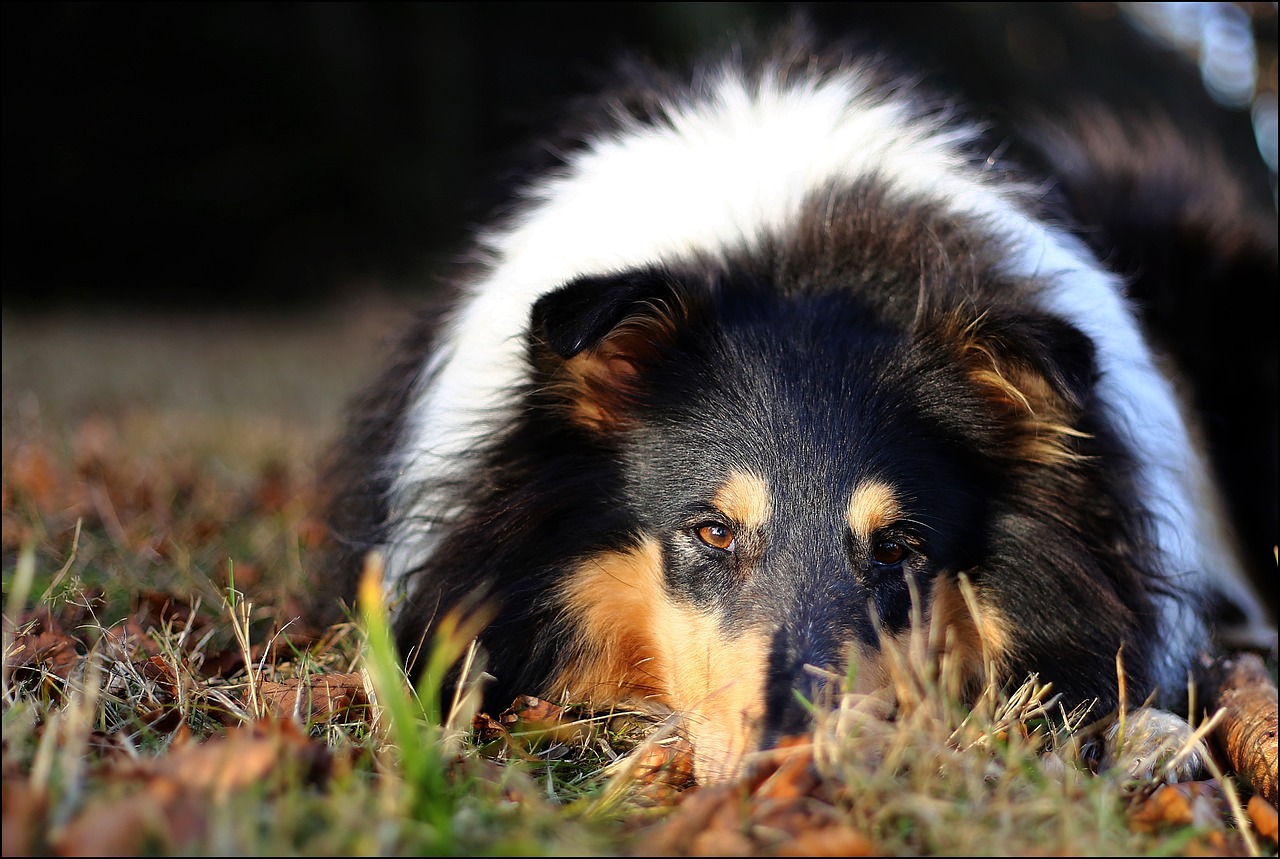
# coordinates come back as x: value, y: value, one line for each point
x: 160, y: 695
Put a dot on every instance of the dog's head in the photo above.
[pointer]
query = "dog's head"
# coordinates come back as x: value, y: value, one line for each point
x: 805, y: 475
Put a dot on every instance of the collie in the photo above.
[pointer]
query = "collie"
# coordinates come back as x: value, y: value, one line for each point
x: 777, y: 361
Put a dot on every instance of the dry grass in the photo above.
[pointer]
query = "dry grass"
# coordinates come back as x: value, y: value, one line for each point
x: 160, y: 697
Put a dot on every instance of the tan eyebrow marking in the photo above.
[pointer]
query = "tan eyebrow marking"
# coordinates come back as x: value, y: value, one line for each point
x: 873, y: 506
x: 745, y: 499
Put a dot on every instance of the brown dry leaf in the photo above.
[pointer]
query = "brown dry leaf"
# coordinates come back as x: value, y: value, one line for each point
x: 131, y: 640
x: 39, y: 619
x: 227, y: 663
x: 1263, y: 816
x: 47, y: 653
x: 23, y: 817
x: 779, y: 805
x: 829, y: 841
x: 164, y: 718
x: 529, y: 710
x: 245, y: 576
x: 665, y: 768
x: 129, y: 826
x: 1216, y: 843
x: 168, y: 682
x: 1176, y: 805
x: 241, y: 757
x: 14, y: 533
x: 722, y: 841
x: 110, y: 748
x: 274, y: 490
x: 85, y: 608
x: 223, y: 664
x: 784, y: 772
x: 95, y: 444
x: 317, y: 698
x: 148, y: 807
x: 31, y: 473
x: 313, y: 532
x: 159, y: 609
x: 1242, y: 688
x: 707, y: 822
x: 534, y: 722
x: 201, y: 531
x: 488, y: 729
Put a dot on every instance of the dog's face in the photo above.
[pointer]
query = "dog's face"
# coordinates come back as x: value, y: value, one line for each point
x: 806, y: 476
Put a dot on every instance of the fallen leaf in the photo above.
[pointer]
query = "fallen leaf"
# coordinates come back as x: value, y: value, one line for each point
x: 708, y: 821
x: 1180, y: 804
x: 313, y: 533
x: 829, y: 841
x: 785, y: 772
x: 1263, y: 816
x: 31, y: 473
x: 159, y: 610
x: 109, y: 748
x: 529, y: 709
x: 721, y: 841
x: 45, y: 654
x: 275, y: 488
x: 23, y: 817
x: 243, y: 756
x: 227, y: 663
x: 535, y: 722
x: 666, y: 767
x: 488, y: 729
x: 779, y: 805
x: 317, y: 698
x: 128, y: 826
x: 162, y: 673
x: 130, y: 641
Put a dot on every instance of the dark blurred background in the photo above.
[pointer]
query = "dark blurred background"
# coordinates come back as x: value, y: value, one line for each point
x: 250, y: 154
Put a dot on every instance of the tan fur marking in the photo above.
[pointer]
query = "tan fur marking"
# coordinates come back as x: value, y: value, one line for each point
x: 637, y: 644
x: 745, y: 499
x: 968, y: 642
x: 963, y: 647
x: 600, y: 382
x: 871, y: 672
x: 873, y: 506
x: 1034, y: 413
x: 612, y: 597
x: 717, y: 682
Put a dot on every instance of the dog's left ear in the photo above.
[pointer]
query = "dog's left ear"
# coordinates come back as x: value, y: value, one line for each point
x: 1036, y: 372
x: 593, y: 340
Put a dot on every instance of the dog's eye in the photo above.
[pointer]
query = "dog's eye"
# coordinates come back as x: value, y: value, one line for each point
x: 888, y: 553
x: 716, y: 536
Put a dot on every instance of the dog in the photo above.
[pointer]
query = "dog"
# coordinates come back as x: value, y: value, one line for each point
x: 777, y: 363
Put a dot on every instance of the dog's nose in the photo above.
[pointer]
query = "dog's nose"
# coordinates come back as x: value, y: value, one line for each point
x: 797, y: 684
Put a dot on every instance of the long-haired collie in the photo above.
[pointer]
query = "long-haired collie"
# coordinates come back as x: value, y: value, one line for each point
x: 776, y: 362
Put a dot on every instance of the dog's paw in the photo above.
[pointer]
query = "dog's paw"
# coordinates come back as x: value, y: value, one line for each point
x: 1156, y: 746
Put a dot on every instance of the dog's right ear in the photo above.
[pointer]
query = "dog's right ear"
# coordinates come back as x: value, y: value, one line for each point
x: 594, y: 339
